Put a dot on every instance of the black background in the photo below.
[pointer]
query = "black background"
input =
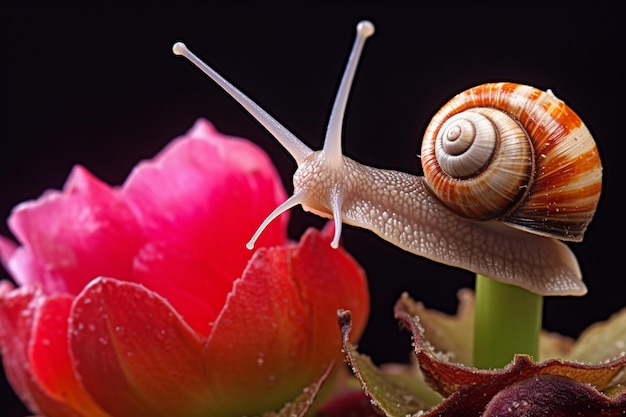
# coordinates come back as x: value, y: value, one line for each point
x: 99, y: 86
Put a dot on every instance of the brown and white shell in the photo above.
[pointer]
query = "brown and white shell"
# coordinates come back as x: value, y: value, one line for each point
x: 515, y: 153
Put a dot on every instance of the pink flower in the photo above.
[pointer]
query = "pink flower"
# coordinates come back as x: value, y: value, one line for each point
x: 142, y: 300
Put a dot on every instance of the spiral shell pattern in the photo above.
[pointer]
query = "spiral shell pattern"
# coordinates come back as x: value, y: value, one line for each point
x: 515, y: 153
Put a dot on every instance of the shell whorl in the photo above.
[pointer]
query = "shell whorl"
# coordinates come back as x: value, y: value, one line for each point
x: 515, y: 153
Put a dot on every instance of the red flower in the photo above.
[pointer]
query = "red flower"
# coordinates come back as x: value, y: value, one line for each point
x: 143, y: 301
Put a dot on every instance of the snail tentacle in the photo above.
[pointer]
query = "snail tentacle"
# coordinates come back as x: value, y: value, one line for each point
x: 334, y: 132
x: 296, y: 148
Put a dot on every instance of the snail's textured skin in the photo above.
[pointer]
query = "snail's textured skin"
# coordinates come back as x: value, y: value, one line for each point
x: 402, y: 209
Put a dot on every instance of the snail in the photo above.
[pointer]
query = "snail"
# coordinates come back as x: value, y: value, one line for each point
x: 527, y: 151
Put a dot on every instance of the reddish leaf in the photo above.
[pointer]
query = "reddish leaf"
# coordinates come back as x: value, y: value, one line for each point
x: 554, y: 396
x: 523, y: 388
x: 351, y: 404
x: 447, y: 377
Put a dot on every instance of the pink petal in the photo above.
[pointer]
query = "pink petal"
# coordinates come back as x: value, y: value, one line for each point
x: 22, y: 265
x: 73, y: 236
x: 134, y: 353
x: 277, y: 330
x: 6, y: 287
x: 27, y: 270
x: 195, y: 287
x: 7, y: 248
x: 206, y: 194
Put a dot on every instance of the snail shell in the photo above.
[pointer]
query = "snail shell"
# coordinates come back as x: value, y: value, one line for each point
x: 514, y: 153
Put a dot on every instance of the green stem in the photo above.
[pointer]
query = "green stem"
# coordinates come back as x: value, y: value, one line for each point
x: 507, y: 321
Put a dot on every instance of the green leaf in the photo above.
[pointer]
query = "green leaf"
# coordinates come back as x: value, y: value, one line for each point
x: 396, y: 395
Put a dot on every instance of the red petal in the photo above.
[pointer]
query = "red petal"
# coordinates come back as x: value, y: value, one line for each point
x: 195, y: 288
x: 329, y: 280
x: 50, y: 359
x: 206, y: 194
x: 75, y: 235
x: 135, y: 355
x: 17, y: 316
x: 16, y: 319
x: 278, y: 331
x: 257, y: 347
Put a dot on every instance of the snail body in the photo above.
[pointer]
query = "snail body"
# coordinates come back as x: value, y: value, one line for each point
x: 548, y: 185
